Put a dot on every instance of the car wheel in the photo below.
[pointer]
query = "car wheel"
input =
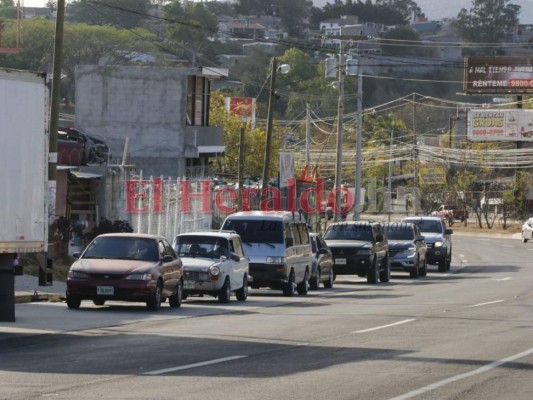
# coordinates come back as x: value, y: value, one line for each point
x: 416, y: 272
x: 303, y: 286
x: 373, y: 273
x: 329, y: 283
x: 225, y: 292
x: 73, y: 302
x: 449, y: 262
x: 288, y: 288
x: 154, y: 301
x: 424, y: 270
x: 98, y: 302
x: 242, y: 293
x: 384, y: 276
x: 524, y: 240
x: 314, y: 282
x: 175, y: 301
x: 442, y: 265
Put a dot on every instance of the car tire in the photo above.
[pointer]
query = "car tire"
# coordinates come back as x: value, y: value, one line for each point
x: 384, y: 276
x: 98, y: 302
x: 442, y: 265
x: 175, y: 301
x: 314, y: 282
x: 424, y: 270
x: 242, y: 293
x: 416, y: 272
x: 224, y: 294
x: 524, y: 240
x: 329, y: 283
x: 154, y: 300
x: 288, y: 288
x: 73, y: 302
x: 184, y: 295
x: 373, y: 273
x: 303, y: 286
x: 448, y: 262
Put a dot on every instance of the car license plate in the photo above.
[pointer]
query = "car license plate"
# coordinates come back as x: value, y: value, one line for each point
x: 188, y: 284
x: 340, y: 261
x: 105, y: 290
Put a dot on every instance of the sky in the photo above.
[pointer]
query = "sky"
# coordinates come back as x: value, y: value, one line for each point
x: 434, y: 9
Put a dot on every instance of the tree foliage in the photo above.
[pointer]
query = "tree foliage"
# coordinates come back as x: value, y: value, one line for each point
x: 486, y: 21
x: 191, y: 26
x: 117, y: 13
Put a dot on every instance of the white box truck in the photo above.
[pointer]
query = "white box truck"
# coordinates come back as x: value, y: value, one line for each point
x: 24, y: 99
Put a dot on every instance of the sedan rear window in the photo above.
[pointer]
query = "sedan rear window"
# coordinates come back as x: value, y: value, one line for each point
x: 123, y: 248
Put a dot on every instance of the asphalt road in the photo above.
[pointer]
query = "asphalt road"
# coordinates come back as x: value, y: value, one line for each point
x: 466, y: 334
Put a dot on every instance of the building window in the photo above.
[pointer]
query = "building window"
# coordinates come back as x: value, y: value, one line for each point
x: 197, y: 101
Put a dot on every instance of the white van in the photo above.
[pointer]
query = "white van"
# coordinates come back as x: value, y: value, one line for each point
x: 278, y: 247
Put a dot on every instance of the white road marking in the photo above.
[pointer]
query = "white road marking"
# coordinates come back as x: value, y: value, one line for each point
x: 456, y: 378
x: 508, y: 278
x: 200, y: 364
x: 507, y: 245
x: 385, y: 326
x: 487, y: 303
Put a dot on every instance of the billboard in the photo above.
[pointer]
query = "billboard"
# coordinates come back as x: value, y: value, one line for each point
x: 500, y: 125
x: 512, y: 75
x: 244, y: 107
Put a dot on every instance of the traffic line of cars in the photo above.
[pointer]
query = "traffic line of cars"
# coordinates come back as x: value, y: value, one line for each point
x: 254, y: 249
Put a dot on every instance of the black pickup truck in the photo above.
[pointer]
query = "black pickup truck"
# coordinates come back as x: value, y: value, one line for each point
x: 359, y: 248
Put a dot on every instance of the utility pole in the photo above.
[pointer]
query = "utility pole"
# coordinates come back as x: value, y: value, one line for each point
x: 415, y: 157
x: 271, y: 103
x: 52, y: 138
x: 340, y: 117
x: 308, y: 135
x: 358, y: 148
x: 390, y: 172
x: 240, y: 171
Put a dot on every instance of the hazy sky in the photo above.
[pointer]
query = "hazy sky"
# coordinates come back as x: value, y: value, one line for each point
x: 434, y: 9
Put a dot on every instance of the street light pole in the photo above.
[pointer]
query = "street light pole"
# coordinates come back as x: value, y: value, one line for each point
x: 340, y: 117
x: 268, y: 144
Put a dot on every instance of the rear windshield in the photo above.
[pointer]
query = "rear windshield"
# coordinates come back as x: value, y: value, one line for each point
x: 400, y: 232
x: 349, y: 232
x: 255, y: 231
x: 425, y: 225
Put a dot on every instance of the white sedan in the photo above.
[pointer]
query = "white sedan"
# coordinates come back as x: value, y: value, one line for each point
x: 527, y: 230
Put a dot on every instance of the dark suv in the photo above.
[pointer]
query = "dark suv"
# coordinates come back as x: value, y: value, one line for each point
x: 359, y: 248
x: 438, y: 240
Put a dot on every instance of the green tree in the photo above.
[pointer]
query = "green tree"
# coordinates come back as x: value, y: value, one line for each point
x: 7, y: 3
x: 403, y: 34
x: 118, y: 13
x: 487, y: 21
x: 191, y: 28
x: 254, y: 142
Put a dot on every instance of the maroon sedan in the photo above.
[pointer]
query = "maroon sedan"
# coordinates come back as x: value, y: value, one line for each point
x: 126, y: 267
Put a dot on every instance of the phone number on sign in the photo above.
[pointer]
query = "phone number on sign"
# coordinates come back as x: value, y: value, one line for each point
x: 521, y: 82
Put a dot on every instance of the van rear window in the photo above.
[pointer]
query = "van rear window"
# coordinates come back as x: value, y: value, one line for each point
x: 256, y: 231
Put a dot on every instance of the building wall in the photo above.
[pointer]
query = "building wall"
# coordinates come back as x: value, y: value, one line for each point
x: 145, y: 104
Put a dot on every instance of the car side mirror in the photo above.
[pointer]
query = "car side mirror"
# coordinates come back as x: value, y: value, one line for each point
x: 379, y: 237
x: 448, y: 231
x: 289, y: 242
x: 76, y: 255
x: 234, y: 257
x: 420, y: 239
x: 323, y: 250
x: 167, y: 259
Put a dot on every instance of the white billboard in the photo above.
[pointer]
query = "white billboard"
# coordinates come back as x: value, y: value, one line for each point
x: 500, y: 125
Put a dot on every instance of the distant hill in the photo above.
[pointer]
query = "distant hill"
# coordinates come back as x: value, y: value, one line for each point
x: 435, y: 10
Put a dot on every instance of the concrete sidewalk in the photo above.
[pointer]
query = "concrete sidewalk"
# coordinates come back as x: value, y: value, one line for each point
x: 27, y: 289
